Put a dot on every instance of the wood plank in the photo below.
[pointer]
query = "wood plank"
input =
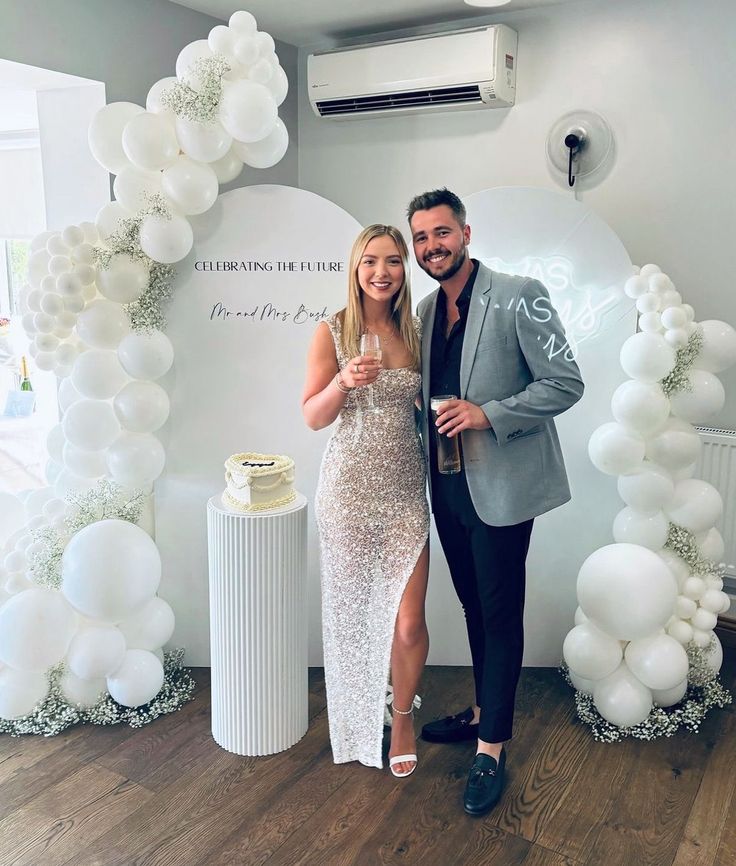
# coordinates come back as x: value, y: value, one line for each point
x: 539, y: 856
x: 67, y: 816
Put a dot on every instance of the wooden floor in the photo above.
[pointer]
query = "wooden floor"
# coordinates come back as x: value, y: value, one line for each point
x: 167, y: 794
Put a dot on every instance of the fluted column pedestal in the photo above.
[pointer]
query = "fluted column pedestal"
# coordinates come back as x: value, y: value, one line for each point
x: 258, y: 627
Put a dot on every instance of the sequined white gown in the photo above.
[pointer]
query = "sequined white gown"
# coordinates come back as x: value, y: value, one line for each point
x: 373, y: 522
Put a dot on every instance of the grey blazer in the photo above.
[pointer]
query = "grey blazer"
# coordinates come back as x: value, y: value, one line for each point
x: 517, y: 367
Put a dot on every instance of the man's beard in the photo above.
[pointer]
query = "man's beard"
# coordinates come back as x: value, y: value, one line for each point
x: 453, y: 266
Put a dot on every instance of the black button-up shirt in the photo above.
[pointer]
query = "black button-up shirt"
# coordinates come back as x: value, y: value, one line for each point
x: 444, y: 378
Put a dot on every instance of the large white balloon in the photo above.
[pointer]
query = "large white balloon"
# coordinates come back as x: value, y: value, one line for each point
x: 142, y: 407
x: 68, y: 394
x: 266, y: 152
x: 204, y: 142
x: 151, y: 627
x: 36, y: 626
x: 106, y: 132
x: 134, y: 187
x: 616, y: 450
x: 103, y: 324
x: 138, y: 679
x: 153, y: 100
x: 98, y: 374
x: 190, y: 185
x: 696, y: 505
x: 124, y: 280
x: 82, y: 463
x: 247, y: 110
x: 91, y: 425
x: 149, y: 141
x: 135, y: 459
x: 591, y: 653
x: 96, y: 651
x: 719, y: 346
x: 186, y: 62
x: 676, y: 446
x: 660, y: 662
x: 108, y: 219
x: 705, y: 398
x: 648, y: 489
x: 622, y: 699
x: 80, y: 693
x: 166, y: 240
x: 110, y: 569
x: 640, y: 406
x: 12, y: 516
x: 647, y: 530
x: 647, y: 357
x: 626, y: 590
x: 21, y: 692
x: 278, y: 84
x: 147, y: 355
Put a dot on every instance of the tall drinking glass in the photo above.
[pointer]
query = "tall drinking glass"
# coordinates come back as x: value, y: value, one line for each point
x: 448, y: 448
x: 370, y: 346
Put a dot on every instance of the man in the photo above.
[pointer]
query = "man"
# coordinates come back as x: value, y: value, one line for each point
x: 486, y: 340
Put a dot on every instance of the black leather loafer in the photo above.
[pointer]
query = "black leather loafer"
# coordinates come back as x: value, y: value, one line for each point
x: 452, y: 729
x: 485, y: 784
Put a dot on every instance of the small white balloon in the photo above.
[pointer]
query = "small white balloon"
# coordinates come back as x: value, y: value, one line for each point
x: 220, y: 40
x: 186, y: 62
x: 242, y: 23
x: 647, y: 303
x: 640, y: 406
x: 719, y: 346
x: 669, y: 697
x: 135, y: 459
x: 96, y: 651
x: 614, y: 449
x: 660, y: 662
x: 21, y: 692
x: 149, y: 141
x: 80, y: 693
x: 228, y: 167
x: 676, y: 446
x: 146, y: 355
x: 696, y: 505
x: 153, y: 100
x: 681, y: 631
x: 166, y: 240
x: 98, y: 374
x: 203, y: 142
x: 648, y: 489
x: 646, y: 530
x: 73, y: 236
x: 590, y: 652
x: 142, y: 407
x: 711, y: 545
x: 109, y: 218
x: 149, y: 628
x: 84, y: 464
x: 247, y: 110
x: 103, y: 324
x: 278, y: 84
x: 650, y: 323
x: 649, y: 270
x: 266, y: 152
x: 133, y: 188
x: 704, y: 398
x: 105, y: 135
x: 622, y: 699
x: 36, y: 627
x: 685, y: 607
x: 124, y: 280
x: 91, y: 425
x: 190, y: 185
x: 138, y: 679
x: 647, y: 357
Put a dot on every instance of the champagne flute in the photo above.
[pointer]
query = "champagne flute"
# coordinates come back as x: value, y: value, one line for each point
x: 370, y: 346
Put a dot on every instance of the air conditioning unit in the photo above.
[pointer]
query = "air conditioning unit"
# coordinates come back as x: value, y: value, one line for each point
x: 473, y: 68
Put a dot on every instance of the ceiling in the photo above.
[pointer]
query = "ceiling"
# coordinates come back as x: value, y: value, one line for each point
x: 305, y: 23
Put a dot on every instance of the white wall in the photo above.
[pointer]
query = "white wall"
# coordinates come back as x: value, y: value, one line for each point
x: 21, y: 202
x: 663, y: 73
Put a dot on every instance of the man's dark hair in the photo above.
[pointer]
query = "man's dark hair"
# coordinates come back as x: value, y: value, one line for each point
x: 434, y: 198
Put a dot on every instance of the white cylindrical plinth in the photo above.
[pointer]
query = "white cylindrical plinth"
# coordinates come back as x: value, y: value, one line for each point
x: 258, y: 627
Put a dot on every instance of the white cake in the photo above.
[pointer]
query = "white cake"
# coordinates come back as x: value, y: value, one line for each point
x: 259, y: 482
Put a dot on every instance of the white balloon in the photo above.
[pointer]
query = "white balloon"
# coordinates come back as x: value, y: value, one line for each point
x: 80, y: 693
x: 204, y: 142
x: 247, y: 110
x: 153, y: 100
x: 676, y: 446
x: 615, y: 450
x: 45, y: 361
x: 676, y: 337
x: 103, y: 324
x: 135, y: 459
x: 626, y: 590
x: 84, y: 464
x: 696, y: 505
x: 33, y: 301
x: 660, y: 662
x: 124, y: 280
x: 138, y: 679
x: 43, y: 322
x: 714, y: 600
x: 98, y: 374
x: 681, y: 631
x: 649, y: 270
x: 228, y: 167
x: 242, y: 23
x: 109, y: 217
x: 142, y: 407
x: 266, y: 152
x: 68, y: 395
x: 149, y: 628
x: 59, y: 265
x: 52, y: 304
x: 12, y: 516
x: 685, y: 607
x: 40, y: 241
x: 149, y: 141
x: 674, y: 317
x: 72, y: 236
x: 640, y: 406
x: 96, y: 651
x: 647, y: 357
x: 702, y: 638
x: 580, y: 616
x: 220, y: 40
x: 146, y: 355
x: 36, y: 626
x: 21, y: 692
x: 110, y: 569
x: 187, y: 60
x: 105, y: 134
x: 669, y: 697
x: 622, y: 699
x: 711, y: 545
x: 582, y: 684
x: 74, y: 305
x: 648, y: 489
x: 646, y: 530
x: 679, y: 568
x: 68, y: 482
x: 714, y: 658
x: 166, y: 240
x: 590, y: 652
x: 133, y: 188
x: 705, y: 398
x: 55, y: 442
x: 719, y: 346
x: 647, y: 303
x: 91, y: 425
x: 190, y: 185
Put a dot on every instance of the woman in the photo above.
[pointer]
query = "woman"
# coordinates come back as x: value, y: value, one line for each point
x: 371, y: 508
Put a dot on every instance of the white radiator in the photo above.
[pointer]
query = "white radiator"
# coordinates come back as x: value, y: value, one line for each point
x: 717, y: 466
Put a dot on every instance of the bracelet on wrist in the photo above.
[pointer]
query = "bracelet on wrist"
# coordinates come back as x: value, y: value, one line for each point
x: 340, y: 385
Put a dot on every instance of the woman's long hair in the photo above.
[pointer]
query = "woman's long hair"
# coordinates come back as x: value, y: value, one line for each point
x: 351, y: 318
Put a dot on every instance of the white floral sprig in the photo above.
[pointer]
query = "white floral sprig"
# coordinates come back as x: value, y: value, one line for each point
x: 678, y: 379
x: 683, y: 542
x: 201, y: 105
x: 45, y: 560
x: 105, y: 501
x: 55, y: 713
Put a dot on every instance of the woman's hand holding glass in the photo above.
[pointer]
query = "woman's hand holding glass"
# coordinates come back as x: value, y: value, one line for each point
x: 360, y: 371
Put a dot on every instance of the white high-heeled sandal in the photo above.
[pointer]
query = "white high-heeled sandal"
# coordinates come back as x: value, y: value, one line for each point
x: 400, y: 759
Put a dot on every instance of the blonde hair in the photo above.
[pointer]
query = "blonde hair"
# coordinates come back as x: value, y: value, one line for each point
x: 351, y: 317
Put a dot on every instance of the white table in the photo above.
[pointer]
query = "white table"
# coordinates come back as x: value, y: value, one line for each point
x: 258, y: 626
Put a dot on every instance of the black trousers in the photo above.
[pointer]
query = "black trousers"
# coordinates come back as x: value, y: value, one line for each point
x: 488, y: 568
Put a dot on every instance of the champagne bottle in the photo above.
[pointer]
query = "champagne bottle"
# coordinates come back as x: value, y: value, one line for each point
x: 25, y: 379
